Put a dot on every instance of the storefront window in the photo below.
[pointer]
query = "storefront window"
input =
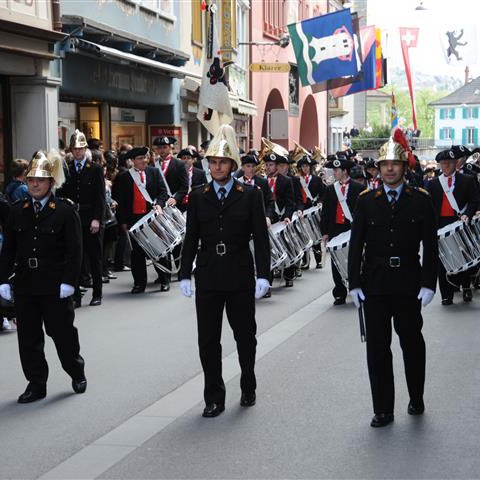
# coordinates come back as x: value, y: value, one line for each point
x: 128, y: 125
x: 67, y: 121
x: 2, y: 140
x: 90, y: 120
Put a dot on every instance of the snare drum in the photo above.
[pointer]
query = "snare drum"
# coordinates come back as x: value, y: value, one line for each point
x: 312, y: 218
x: 289, y: 243
x: 157, y: 234
x: 300, y: 229
x: 338, y: 248
x: 457, y: 247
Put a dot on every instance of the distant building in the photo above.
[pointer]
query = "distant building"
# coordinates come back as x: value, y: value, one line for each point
x: 457, y: 118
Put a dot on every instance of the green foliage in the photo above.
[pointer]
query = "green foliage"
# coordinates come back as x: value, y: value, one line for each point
x: 425, y: 113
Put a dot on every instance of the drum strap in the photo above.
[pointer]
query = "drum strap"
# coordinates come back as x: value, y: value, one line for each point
x: 449, y: 194
x: 342, y: 200
x: 159, y: 166
x: 143, y: 190
x: 305, y: 188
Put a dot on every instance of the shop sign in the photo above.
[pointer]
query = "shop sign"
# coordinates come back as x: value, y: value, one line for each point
x: 155, y: 131
x: 275, y: 67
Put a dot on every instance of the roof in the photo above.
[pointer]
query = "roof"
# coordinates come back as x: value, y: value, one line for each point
x: 469, y: 94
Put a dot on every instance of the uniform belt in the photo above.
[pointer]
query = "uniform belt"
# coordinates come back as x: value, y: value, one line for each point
x: 393, y: 262
x: 222, y: 248
x: 33, y: 263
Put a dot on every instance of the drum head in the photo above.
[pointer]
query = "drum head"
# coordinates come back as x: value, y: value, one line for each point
x: 339, y: 240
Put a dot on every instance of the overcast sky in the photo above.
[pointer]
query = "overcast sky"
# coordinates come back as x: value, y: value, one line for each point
x: 428, y: 57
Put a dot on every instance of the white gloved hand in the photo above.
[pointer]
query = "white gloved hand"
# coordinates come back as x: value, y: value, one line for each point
x: 66, y: 290
x: 425, y: 295
x: 357, y: 296
x: 6, y: 291
x: 186, y: 287
x: 261, y: 287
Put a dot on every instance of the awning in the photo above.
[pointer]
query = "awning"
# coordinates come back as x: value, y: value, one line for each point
x: 177, y: 72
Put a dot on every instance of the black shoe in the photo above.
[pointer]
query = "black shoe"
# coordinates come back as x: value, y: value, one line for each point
x: 122, y: 269
x: 157, y: 281
x: 467, y: 295
x: 447, y: 301
x: 381, y: 419
x: 415, y: 408
x: 137, y: 289
x: 289, y: 283
x: 87, y: 284
x: 213, y: 410
x: 339, y: 301
x: 248, y: 399
x: 77, y: 303
x: 96, y: 301
x: 298, y: 273
x: 164, y: 287
x: 319, y: 265
x: 276, y: 273
x: 268, y: 294
x: 105, y: 279
x: 82, y: 290
x: 79, y: 385
x: 33, y: 393
x: 111, y: 276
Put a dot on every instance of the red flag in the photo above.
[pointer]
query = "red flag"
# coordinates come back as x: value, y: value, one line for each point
x: 408, y: 39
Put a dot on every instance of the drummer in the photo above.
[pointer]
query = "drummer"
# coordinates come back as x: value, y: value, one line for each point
x: 196, y: 176
x: 338, y: 204
x: 389, y: 224
x: 455, y: 196
x: 372, y: 173
x: 137, y: 191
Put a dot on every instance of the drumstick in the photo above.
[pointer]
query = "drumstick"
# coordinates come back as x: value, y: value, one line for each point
x: 363, y: 336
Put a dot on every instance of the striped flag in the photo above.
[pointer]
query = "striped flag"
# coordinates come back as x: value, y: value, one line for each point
x: 394, y: 111
x: 408, y: 39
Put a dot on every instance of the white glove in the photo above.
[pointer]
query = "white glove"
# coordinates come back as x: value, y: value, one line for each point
x: 66, y: 290
x: 425, y: 295
x: 186, y: 287
x: 261, y: 287
x: 6, y: 291
x: 357, y: 296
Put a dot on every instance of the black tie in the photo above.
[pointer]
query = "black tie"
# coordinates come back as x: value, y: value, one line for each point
x: 37, y: 206
x: 393, y: 198
x: 79, y: 167
x: 222, y: 191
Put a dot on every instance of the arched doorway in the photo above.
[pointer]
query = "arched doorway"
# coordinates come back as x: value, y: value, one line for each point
x: 274, y: 100
x: 309, y: 124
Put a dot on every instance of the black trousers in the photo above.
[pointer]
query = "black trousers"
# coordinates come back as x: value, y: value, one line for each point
x: 446, y: 288
x: 339, y: 290
x: 408, y: 322
x: 57, y: 315
x: 168, y: 263
x: 240, y: 309
x: 138, y: 264
x: 93, y: 249
x: 317, y: 252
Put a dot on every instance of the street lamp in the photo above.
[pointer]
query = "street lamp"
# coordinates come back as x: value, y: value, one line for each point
x: 420, y: 6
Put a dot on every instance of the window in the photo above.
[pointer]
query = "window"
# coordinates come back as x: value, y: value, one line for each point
x: 471, y: 136
x: 163, y: 7
x: 303, y: 9
x: 273, y: 17
x: 447, y: 113
x: 197, y: 31
x: 470, y: 112
x: 242, y: 33
x: 447, y: 133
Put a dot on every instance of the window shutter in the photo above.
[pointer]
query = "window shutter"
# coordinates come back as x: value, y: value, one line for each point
x: 464, y: 136
x: 452, y: 113
x: 442, y: 113
x: 452, y: 134
x: 475, y: 136
x: 442, y: 134
x: 475, y: 112
x: 464, y: 113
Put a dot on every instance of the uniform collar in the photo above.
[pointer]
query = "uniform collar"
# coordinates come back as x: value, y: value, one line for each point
x: 398, y: 189
x: 228, y: 186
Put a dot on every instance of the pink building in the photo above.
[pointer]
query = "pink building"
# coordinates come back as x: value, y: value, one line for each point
x: 307, y: 119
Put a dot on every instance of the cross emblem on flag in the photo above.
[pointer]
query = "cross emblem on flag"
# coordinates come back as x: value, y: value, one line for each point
x: 409, y: 37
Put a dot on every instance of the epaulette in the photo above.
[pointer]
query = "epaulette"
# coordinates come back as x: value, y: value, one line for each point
x: 239, y: 187
x: 206, y: 188
x: 19, y: 200
x: 197, y: 187
x: 52, y: 205
x: 420, y: 189
x: 66, y: 200
x: 25, y: 205
x: 258, y: 187
x: 378, y: 192
x: 363, y: 192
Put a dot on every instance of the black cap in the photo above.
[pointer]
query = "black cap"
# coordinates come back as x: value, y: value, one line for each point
x: 275, y: 157
x: 249, y: 158
x: 446, y: 155
x: 341, y: 162
x: 305, y: 160
x: 187, y: 151
x: 204, y: 145
x: 349, y: 152
x: 370, y: 162
x: 461, y: 151
x: 473, y: 167
x: 159, y: 141
x: 136, y: 152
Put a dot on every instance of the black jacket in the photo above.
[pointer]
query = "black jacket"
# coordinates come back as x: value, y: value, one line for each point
x: 198, y: 179
x: 379, y: 233
x: 53, y: 241
x: 87, y: 190
x: 284, y: 197
x: 122, y: 192
x: 240, y: 218
x: 317, y: 189
x: 466, y: 192
x: 177, y: 179
x: 268, y: 202
x: 329, y: 208
x: 297, y: 192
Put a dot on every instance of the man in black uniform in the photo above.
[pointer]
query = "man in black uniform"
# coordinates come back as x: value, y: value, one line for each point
x: 464, y: 189
x: 137, y: 191
x: 85, y: 186
x: 196, y: 176
x: 176, y: 180
x: 337, y: 207
x: 389, y: 224
x: 43, y: 248
x: 223, y: 216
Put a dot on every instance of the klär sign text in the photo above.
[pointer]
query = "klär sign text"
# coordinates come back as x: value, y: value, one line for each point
x: 270, y: 67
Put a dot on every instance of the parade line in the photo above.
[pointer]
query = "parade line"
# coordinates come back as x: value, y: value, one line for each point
x: 94, y: 459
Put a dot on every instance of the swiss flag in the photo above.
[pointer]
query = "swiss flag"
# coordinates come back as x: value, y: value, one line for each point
x: 409, y: 37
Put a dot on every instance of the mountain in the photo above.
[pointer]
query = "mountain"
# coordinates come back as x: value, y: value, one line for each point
x: 398, y: 79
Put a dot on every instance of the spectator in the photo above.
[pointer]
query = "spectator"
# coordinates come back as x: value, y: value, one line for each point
x: 17, y: 189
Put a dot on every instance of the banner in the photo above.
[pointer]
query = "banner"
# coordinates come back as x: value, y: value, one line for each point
x: 214, y: 107
x: 459, y: 44
x: 394, y: 111
x: 324, y: 47
x: 408, y: 39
